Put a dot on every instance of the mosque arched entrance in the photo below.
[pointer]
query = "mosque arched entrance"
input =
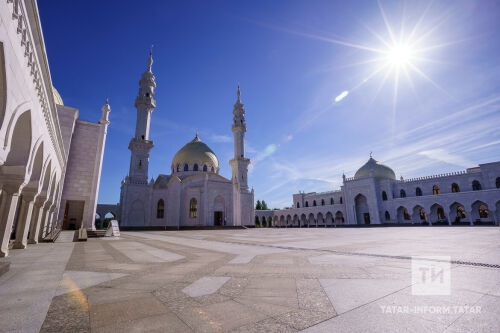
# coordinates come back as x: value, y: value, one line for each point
x: 362, y: 210
x: 219, y: 209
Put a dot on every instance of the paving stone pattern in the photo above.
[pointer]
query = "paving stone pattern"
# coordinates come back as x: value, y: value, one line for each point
x: 259, y: 280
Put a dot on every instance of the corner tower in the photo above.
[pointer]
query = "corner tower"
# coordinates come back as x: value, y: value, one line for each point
x: 140, y: 145
x: 239, y: 163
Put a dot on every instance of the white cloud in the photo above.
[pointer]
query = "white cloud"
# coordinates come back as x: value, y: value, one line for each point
x: 444, y: 156
x: 220, y: 138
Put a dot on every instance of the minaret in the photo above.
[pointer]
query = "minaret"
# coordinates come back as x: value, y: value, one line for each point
x: 140, y: 145
x: 239, y: 163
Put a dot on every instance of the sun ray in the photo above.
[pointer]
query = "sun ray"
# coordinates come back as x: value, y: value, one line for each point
x: 365, y: 62
x: 377, y: 35
x: 386, y: 22
x: 379, y: 88
x: 420, y: 20
x: 318, y: 37
x: 425, y: 76
x: 402, y: 26
x: 426, y: 34
x: 437, y: 46
x: 371, y: 75
x: 395, y: 99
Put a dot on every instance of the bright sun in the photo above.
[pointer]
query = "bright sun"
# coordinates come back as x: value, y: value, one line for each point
x: 400, y: 54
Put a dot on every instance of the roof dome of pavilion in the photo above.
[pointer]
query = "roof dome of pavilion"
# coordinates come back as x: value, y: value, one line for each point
x: 57, y: 96
x: 375, y: 169
x: 195, y: 152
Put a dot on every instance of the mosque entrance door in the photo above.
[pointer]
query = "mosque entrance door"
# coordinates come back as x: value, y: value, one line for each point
x: 366, y: 216
x: 218, y: 218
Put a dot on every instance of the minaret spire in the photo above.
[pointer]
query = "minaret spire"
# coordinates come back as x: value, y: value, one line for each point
x: 150, y: 61
x: 239, y: 93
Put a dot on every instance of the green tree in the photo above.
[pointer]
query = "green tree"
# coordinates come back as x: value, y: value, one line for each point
x: 258, y: 206
x: 264, y: 205
x: 257, y: 223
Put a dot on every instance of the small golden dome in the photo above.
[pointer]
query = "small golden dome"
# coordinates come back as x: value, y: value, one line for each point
x: 195, y: 152
x: 57, y: 97
x: 375, y: 169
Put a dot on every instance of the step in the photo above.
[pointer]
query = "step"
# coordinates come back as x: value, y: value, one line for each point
x: 66, y: 236
x: 96, y: 233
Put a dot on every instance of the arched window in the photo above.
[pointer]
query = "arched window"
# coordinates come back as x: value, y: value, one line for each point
x: 402, y: 194
x: 384, y: 196
x: 455, y: 188
x: 314, y: 203
x: 307, y: 203
x: 387, y: 216
x: 322, y: 202
x: 483, y: 212
x: 460, y: 212
x: 341, y: 200
x: 476, y: 186
x: 498, y: 182
x: 331, y: 201
x: 178, y: 168
x: 406, y: 214
x: 436, y: 190
x: 298, y: 205
x: 212, y: 169
x: 440, y: 213
x: 195, y: 167
x: 193, y: 208
x: 423, y: 215
x: 205, y: 169
x: 186, y: 167
x: 418, y: 192
x: 160, y: 209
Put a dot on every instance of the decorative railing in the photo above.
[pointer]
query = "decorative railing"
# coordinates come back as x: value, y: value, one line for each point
x: 456, y: 173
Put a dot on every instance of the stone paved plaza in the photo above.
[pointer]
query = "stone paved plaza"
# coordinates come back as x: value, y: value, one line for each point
x: 254, y: 280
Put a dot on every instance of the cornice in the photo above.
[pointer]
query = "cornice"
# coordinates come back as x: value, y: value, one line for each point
x: 25, y: 15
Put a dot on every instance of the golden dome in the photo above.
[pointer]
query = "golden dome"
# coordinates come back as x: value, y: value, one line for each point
x: 195, y: 152
x: 57, y: 97
x: 375, y: 169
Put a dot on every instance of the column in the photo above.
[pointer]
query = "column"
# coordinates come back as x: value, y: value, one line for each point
x: 43, y: 224
x: 469, y: 215
x: 23, y: 223
x: 50, y: 220
x: 36, y: 218
x: 8, y: 207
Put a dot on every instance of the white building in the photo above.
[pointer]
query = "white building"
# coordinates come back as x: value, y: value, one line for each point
x: 50, y: 161
x: 374, y: 196
x: 194, y: 194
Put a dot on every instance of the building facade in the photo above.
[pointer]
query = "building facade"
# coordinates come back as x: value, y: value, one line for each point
x: 50, y: 161
x: 375, y: 196
x: 193, y: 194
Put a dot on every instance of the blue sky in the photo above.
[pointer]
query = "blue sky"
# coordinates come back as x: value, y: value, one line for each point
x: 319, y: 80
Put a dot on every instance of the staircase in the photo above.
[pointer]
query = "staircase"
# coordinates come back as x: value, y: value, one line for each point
x: 96, y: 233
x: 65, y: 236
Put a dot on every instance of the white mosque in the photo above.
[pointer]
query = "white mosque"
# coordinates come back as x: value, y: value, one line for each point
x: 194, y: 194
x: 375, y: 196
